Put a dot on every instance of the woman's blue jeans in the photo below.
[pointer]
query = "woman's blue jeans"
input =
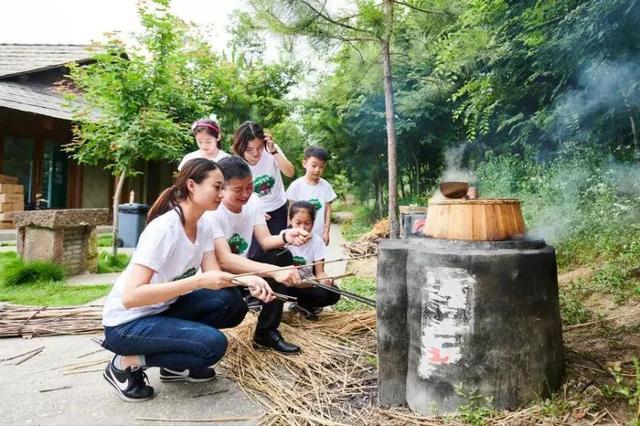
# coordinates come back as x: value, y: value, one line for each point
x: 184, y: 336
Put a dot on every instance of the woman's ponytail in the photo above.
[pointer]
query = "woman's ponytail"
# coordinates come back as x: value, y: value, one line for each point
x: 197, y: 170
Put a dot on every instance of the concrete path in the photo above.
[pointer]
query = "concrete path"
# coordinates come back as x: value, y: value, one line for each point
x: 335, y: 252
x: 86, y: 398
x: 93, y: 279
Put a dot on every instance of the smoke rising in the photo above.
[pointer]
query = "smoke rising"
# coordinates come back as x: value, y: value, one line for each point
x: 454, y: 172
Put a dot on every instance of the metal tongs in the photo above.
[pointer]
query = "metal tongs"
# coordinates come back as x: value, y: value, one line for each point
x: 314, y: 282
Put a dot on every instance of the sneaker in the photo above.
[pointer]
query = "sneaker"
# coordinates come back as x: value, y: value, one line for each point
x: 131, y: 383
x: 193, y: 375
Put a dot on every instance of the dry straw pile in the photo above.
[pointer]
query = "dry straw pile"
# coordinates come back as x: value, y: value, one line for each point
x: 31, y: 321
x: 332, y: 382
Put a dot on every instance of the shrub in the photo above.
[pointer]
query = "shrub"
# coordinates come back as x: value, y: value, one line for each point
x: 108, y: 263
x: 17, y: 272
x: 363, y: 219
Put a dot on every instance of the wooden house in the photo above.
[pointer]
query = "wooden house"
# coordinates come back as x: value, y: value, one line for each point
x: 35, y: 125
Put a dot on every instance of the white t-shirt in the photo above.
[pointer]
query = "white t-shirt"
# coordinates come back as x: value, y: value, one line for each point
x: 267, y: 182
x: 165, y: 248
x: 313, y: 251
x: 319, y: 195
x: 236, y: 228
x: 198, y: 154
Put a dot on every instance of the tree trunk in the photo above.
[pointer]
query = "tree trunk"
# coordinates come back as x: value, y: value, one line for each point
x: 116, y: 202
x: 394, y: 226
x: 636, y: 148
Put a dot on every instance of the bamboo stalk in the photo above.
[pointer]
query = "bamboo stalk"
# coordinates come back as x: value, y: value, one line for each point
x: 54, y: 389
x: 22, y: 354
x: 266, y: 271
x: 29, y: 356
x: 344, y: 293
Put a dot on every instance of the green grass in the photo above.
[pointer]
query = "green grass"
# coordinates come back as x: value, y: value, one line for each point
x: 362, y: 286
x: 104, y: 240
x: 51, y: 294
x: 45, y: 292
x: 363, y: 219
x: 15, y: 272
x: 108, y: 263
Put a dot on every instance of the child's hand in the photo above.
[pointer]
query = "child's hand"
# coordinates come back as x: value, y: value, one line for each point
x: 322, y: 278
x: 297, y: 236
x: 271, y: 145
x: 326, y: 281
x: 325, y: 236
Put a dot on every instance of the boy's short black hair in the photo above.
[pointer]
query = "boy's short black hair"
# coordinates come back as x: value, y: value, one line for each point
x: 316, y: 151
x: 234, y: 167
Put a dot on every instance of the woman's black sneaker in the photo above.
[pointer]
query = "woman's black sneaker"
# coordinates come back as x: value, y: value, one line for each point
x: 193, y: 375
x: 131, y: 383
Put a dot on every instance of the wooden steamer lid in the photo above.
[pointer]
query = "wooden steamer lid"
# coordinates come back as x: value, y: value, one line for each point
x: 475, y: 220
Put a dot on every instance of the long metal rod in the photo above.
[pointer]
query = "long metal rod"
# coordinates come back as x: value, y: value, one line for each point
x: 344, y: 293
x: 344, y: 259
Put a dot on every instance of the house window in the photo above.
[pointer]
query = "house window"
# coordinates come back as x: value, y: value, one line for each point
x: 18, y: 158
x: 54, y: 175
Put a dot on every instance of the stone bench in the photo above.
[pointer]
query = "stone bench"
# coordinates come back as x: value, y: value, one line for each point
x: 66, y: 237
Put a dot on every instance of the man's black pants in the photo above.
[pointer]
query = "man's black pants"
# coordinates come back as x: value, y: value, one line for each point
x: 308, y: 298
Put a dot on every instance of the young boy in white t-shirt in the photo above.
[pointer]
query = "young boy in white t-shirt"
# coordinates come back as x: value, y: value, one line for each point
x: 208, y: 136
x: 314, y: 189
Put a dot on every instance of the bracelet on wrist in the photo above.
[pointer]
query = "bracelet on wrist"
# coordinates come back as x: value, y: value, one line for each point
x: 283, y: 234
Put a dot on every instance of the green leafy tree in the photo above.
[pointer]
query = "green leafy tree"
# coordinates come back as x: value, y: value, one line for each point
x: 134, y: 101
x: 372, y: 23
x: 134, y: 104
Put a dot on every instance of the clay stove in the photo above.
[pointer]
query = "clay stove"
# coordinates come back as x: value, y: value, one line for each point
x: 467, y: 314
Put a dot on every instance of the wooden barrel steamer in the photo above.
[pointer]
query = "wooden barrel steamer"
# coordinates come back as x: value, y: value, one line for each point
x: 475, y: 220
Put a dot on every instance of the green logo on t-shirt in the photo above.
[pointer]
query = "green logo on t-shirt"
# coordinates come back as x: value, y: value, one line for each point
x: 316, y: 203
x: 237, y: 244
x: 262, y: 185
x: 188, y: 273
x: 299, y: 261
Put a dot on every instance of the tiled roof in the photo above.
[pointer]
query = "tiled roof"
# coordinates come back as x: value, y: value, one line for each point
x: 28, y: 97
x: 16, y: 59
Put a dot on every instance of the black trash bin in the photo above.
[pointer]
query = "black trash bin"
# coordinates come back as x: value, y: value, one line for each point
x: 131, y: 220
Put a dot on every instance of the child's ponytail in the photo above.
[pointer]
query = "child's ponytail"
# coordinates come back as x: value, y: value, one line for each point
x: 197, y: 170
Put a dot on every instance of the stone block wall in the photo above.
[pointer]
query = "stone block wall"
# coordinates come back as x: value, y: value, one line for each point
x: 66, y: 237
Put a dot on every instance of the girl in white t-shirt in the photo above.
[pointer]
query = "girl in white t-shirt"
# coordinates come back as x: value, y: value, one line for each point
x: 302, y: 216
x: 208, y: 136
x: 160, y: 313
x: 267, y: 162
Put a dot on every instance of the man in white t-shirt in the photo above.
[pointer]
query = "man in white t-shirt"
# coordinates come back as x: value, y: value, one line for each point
x: 317, y: 191
x: 238, y: 218
x: 207, y: 134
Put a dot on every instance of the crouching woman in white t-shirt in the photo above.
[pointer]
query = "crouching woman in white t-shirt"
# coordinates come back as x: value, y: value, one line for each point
x: 160, y: 313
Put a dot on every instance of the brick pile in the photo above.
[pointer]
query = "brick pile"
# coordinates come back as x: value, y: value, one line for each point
x: 11, y: 200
